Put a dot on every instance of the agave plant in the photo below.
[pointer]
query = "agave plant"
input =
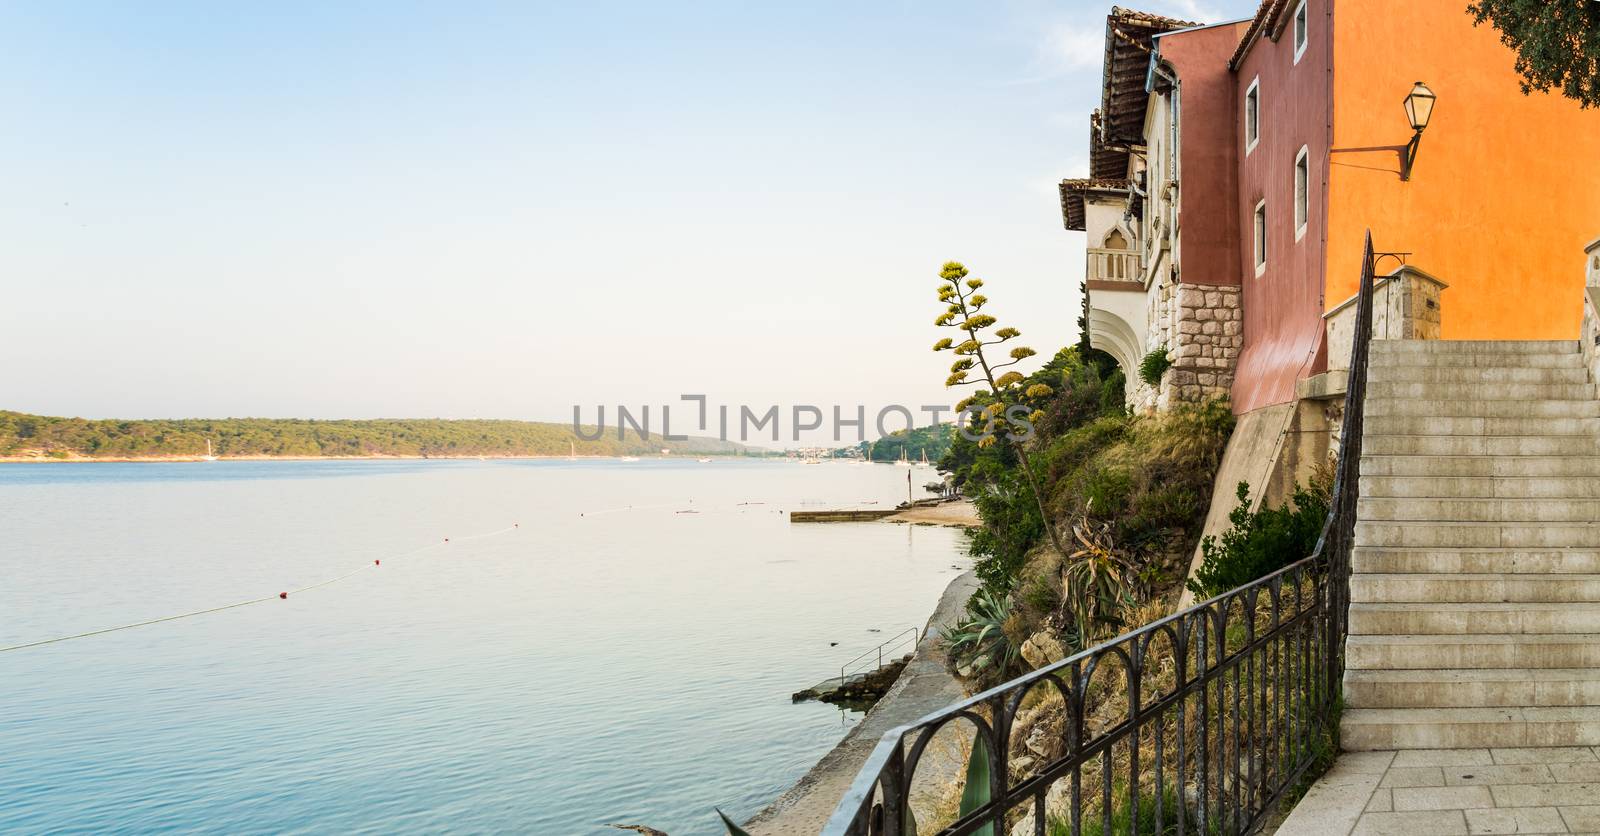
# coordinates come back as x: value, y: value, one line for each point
x: 1094, y: 581
x: 980, y: 643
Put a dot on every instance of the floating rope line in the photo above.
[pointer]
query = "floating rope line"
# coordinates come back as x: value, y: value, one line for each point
x: 277, y: 596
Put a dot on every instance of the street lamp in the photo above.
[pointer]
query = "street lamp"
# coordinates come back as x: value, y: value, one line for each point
x: 1419, y: 109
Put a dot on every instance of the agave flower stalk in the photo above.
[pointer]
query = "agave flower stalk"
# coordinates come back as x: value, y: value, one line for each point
x: 1000, y: 417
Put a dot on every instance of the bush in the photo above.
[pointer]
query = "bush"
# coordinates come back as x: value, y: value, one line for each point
x: 985, y: 644
x: 1260, y: 543
x: 1153, y: 366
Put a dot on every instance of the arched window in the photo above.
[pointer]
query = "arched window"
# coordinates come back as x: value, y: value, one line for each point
x: 1116, y: 265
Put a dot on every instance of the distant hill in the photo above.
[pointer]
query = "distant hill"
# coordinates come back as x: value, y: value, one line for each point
x: 40, y: 436
x: 933, y: 440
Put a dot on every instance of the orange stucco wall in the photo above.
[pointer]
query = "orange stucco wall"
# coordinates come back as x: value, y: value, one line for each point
x: 1506, y: 189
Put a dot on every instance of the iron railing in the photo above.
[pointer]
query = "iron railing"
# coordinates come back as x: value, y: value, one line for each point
x: 1200, y: 722
x: 906, y: 638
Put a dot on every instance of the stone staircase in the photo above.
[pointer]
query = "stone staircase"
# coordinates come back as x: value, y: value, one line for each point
x: 1475, y: 593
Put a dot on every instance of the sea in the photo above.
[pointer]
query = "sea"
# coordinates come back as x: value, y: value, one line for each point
x: 433, y: 646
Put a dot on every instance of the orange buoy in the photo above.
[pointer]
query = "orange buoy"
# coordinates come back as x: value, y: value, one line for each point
x: 283, y: 595
x: 376, y: 562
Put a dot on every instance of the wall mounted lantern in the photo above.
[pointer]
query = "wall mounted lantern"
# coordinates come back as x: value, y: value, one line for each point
x: 1419, y: 109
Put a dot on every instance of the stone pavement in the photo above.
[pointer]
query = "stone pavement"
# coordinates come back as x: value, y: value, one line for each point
x: 1453, y: 791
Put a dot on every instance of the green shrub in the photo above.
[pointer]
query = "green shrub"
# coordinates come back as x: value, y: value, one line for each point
x: 1011, y: 526
x: 982, y: 643
x: 1153, y: 366
x: 1260, y: 543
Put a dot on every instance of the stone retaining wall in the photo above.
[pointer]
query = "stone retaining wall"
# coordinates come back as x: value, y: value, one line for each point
x: 1206, y: 340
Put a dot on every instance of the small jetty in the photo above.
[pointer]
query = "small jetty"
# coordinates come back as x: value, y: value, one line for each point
x: 848, y: 515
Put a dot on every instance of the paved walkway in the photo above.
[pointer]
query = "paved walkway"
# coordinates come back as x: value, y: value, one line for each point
x: 1453, y: 791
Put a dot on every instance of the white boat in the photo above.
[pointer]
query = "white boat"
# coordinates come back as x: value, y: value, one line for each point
x: 902, y: 461
x: 630, y: 458
x: 704, y: 461
x: 209, y: 456
x: 572, y: 451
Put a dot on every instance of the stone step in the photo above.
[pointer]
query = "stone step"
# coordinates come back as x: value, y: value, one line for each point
x: 1429, y: 509
x: 1508, y: 687
x: 1404, y: 561
x: 1383, y: 407
x: 1460, y: 426
x: 1480, y: 391
x: 1478, y: 535
x: 1368, y: 729
x: 1428, y: 373
x: 1472, y: 651
x: 1474, y: 347
x: 1474, y: 588
x: 1373, y: 464
x: 1480, y: 487
x: 1485, y: 445
x: 1413, y: 619
x: 1462, y: 360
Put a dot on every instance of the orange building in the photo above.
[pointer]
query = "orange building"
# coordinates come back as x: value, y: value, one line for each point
x: 1502, y: 197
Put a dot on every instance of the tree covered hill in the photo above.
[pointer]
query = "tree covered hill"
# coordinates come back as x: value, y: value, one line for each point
x: 934, y: 441
x: 23, y: 435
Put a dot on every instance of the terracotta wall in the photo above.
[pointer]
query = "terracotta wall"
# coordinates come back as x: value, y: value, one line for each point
x: 1283, y: 330
x: 1207, y: 151
x: 1506, y: 189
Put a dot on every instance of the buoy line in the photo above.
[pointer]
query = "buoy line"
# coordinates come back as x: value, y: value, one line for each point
x: 275, y: 596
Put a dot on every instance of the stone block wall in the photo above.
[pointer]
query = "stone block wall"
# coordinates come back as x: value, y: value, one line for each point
x: 1207, y: 334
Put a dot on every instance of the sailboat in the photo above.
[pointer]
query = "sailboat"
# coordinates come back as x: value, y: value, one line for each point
x: 209, y: 456
x: 572, y: 451
x: 903, y: 461
x: 924, y: 457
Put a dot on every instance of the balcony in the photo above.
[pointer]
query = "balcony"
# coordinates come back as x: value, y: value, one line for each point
x: 1116, y: 305
x: 1106, y: 268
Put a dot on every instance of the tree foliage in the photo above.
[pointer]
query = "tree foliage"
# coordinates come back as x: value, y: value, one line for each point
x: 933, y: 441
x: 23, y: 435
x: 1261, y: 542
x: 1557, y: 43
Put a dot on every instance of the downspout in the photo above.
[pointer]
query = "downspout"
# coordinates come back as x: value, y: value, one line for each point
x: 1156, y: 68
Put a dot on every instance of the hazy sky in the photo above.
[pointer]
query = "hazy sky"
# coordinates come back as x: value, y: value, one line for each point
x: 481, y: 210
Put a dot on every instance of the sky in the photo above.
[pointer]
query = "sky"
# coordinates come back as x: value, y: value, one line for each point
x: 477, y: 210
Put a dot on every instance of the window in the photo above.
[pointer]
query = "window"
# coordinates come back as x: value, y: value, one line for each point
x: 1261, y: 237
x: 1302, y: 199
x: 1252, y: 115
x: 1300, y: 31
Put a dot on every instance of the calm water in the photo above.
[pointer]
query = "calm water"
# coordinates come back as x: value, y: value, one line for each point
x: 598, y: 664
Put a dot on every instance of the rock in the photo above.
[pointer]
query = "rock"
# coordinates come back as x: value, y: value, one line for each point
x: 1042, y: 649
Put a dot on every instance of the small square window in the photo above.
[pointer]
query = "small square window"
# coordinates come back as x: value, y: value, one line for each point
x: 1252, y: 116
x: 1261, y: 237
x: 1300, y: 22
x: 1302, y: 199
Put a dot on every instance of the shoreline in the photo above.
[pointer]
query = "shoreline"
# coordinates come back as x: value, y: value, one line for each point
x: 369, y: 458
x: 924, y: 686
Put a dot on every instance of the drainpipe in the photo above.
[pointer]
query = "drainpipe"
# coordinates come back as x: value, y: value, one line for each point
x: 1156, y: 68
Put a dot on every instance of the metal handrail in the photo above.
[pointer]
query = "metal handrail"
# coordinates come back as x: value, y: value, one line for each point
x: 898, y: 639
x: 1256, y: 683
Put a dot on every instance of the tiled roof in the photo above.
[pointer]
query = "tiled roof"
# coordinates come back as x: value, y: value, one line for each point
x: 1072, y: 195
x: 1268, y: 20
x: 1120, y: 121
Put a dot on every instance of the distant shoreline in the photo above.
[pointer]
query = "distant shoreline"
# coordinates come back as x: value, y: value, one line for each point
x: 76, y: 459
